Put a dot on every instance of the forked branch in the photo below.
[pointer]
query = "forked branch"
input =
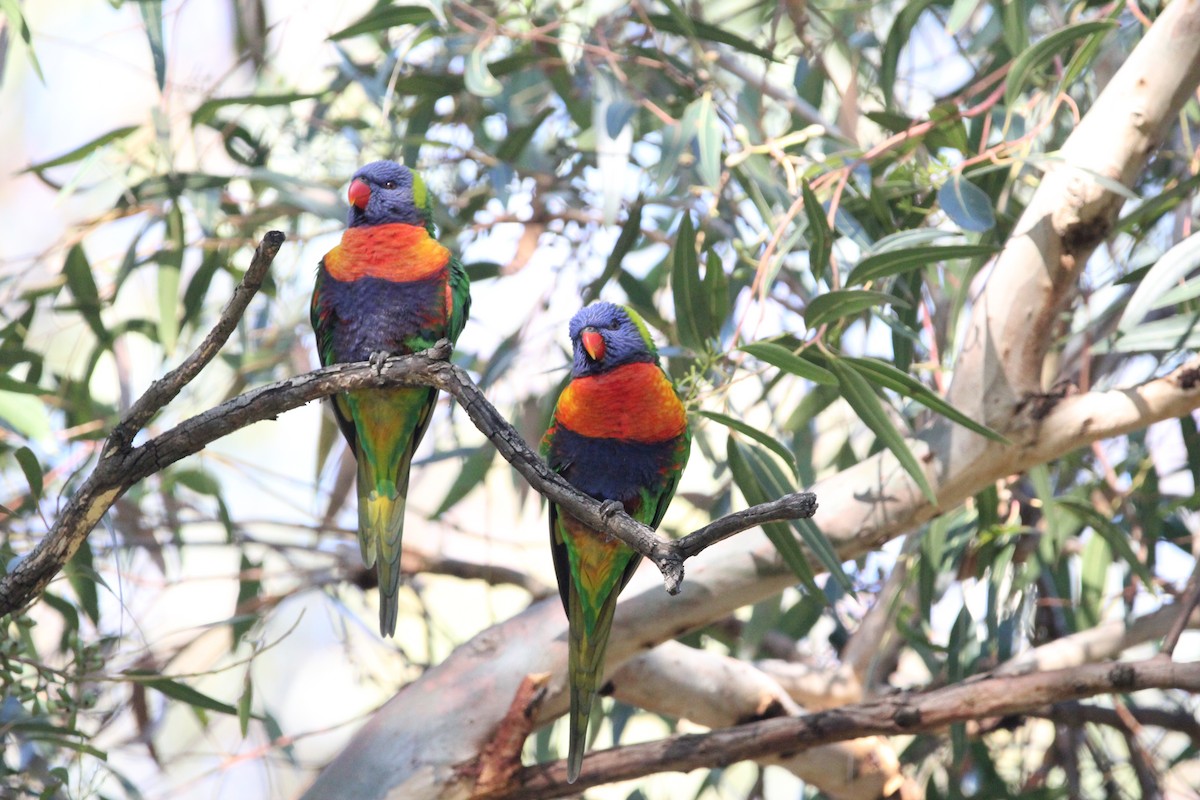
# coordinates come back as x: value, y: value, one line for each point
x: 122, y: 465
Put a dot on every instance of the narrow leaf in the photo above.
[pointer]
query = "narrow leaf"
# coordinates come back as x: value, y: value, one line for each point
x: 884, y: 374
x: 78, y: 273
x: 783, y: 539
x: 383, y: 18
x: 207, y: 111
x: 764, y: 439
x: 152, y: 15
x: 84, y: 149
x: 472, y: 474
x: 708, y: 137
x: 33, y: 471
x: 631, y: 231
x: 846, y: 303
x: 695, y: 28
x: 1041, y: 53
x: 867, y: 405
x: 779, y: 356
x: 182, y: 692
x: 690, y: 320
x: 895, y: 262
x: 1116, y: 538
x: 820, y: 236
x: 1174, y: 265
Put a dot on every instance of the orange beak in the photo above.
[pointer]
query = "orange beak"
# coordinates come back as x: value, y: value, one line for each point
x: 593, y: 343
x: 359, y: 193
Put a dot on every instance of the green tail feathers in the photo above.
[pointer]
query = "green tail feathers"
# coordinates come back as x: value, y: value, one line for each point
x: 585, y: 670
x: 380, y: 531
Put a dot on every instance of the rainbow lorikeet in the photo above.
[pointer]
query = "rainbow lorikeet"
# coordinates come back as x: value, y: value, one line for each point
x: 389, y: 288
x: 619, y: 433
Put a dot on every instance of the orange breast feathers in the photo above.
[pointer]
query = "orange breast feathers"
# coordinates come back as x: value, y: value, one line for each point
x: 635, y: 402
x: 394, y: 252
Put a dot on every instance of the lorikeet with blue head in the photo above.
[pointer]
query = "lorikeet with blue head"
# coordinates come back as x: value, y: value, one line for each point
x: 619, y: 433
x: 389, y: 288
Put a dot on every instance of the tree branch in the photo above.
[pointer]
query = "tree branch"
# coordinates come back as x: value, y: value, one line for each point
x: 902, y: 715
x: 121, y: 466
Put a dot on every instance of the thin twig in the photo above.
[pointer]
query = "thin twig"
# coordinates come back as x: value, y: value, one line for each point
x: 168, y: 387
x: 1191, y: 596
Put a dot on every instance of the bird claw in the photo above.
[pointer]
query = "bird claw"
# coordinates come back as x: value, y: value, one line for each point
x: 377, y: 361
x: 610, y: 508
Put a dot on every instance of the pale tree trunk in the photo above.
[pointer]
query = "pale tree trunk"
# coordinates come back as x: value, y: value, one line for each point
x: 427, y: 741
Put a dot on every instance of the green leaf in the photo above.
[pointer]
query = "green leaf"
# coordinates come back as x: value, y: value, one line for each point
x: 745, y: 476
x: 895, y: 262
x: 960, y: 13
x: 779, y: 356
x: 820, y: 236
x: 774, y: 484
x: 78, y: 273
x: 845, y: 303
x: 84, y: 149
x: 207, y: 111
x: 1116, y: 538
x: 884, y: 374
x: 472, y: 474
x: 33, y: 471
x: 180, y: 691
x: 1093, y: 574
x: 479, y: 81
x: 197, y: 288
x: 12, y: 10
x: 966, y: 205
x: 716, y: 292
x: 170, y: 264
x: 862, y: 398
x: 764, y: 439
x: 245, y: 701
x: 1151, y: 209
x: 81, y: 573
x: 26, y: 414
x: 519, y: 139
x: 1032, y: 58
x: 694, y: 28
x: 384, y: 17
x: 1161, y: 335
x: 248, y: 590
x: 691, y: 307
x: 708, y: 138
x: 1174, y: 265
x: 899, y: 35
x: 152, y: 15
x: 631, y: 231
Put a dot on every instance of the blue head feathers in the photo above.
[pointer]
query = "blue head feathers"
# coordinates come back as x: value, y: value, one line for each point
x: 606, y: 336
x: 384, y: 191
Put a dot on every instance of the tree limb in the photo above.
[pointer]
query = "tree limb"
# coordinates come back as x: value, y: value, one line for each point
x: 987, y: 696
x: 121, y: 466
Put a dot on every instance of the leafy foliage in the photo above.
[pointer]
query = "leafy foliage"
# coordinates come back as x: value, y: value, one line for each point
x: 806, y: 266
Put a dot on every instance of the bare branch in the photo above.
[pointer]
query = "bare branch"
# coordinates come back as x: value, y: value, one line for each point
x: 900, y: 715
x: 120, y: 467
x: 168, y: 387
x: 1186, y: 605
x: 719, y: 691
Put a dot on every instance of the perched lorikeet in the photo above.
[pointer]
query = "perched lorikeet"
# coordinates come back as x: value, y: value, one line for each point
x: 389, y: 288
x: 619, y: 433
